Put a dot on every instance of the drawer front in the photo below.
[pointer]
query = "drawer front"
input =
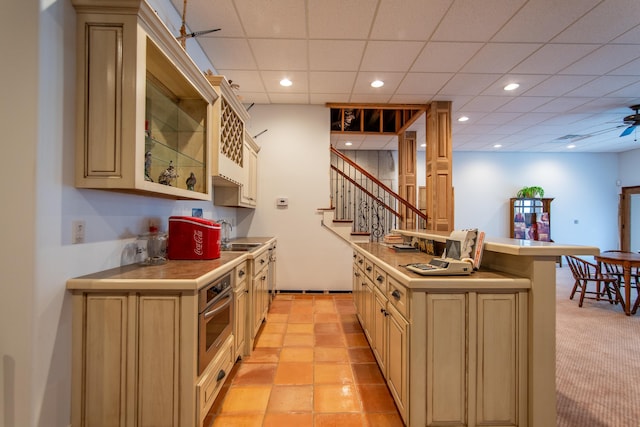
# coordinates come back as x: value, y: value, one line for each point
x: 358, y: 260
x: 398, y: 296
x: 209, y: 386
x: 368, y: 269
x: 380, y: 279
x: 260, y: 262
x: 241, y: 273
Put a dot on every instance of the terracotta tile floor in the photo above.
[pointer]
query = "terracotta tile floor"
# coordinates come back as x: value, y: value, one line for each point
x: 311, y: 366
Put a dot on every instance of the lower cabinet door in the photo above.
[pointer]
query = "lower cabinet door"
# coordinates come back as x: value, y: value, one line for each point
x: 398, y: 360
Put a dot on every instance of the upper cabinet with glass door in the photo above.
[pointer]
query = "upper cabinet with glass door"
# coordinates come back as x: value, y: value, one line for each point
x: 144, y: 107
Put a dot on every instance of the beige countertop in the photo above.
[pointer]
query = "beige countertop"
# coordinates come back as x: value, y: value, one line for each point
x: 393, y: 262
x: 180, y: 275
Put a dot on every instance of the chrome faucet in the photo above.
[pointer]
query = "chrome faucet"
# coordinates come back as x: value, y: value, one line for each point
x: 226, y: 228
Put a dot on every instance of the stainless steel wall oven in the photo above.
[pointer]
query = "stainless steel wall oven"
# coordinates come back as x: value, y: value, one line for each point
x: 215, y: 319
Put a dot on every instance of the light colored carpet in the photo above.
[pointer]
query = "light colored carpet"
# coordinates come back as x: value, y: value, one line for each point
x: 597, y: 361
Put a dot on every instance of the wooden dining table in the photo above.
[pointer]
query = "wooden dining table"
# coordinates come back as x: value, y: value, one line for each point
x: 626, y: 260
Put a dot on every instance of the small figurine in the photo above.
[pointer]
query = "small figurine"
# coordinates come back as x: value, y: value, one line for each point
x: 147, y: 166
x: 168, y: 175
x: 191, y: 181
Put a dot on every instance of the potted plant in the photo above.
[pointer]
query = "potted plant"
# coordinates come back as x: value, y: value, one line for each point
x: 530, y: 192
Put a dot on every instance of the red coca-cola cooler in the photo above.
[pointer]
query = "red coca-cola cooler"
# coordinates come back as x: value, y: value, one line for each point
x: 193, y: 238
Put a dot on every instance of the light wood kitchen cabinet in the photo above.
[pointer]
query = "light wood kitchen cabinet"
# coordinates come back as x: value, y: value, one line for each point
x: 448, y: 358
x: 243, y: 193
x: 259, y: 292
x: 249, y: 189
x: 131, y: 358
x: 144, y: 107
x: 240, y: 301
x: 476, y: 359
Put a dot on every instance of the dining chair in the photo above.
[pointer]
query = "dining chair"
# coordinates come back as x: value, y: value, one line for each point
x: 586, y: 273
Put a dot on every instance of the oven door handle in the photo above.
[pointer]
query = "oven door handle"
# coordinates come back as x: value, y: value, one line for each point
x: 211, y: 313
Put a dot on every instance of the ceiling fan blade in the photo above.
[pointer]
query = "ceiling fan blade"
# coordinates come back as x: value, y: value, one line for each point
x: 628, y: 130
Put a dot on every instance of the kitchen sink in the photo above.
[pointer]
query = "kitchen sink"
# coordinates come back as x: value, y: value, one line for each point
x: 241, y: 247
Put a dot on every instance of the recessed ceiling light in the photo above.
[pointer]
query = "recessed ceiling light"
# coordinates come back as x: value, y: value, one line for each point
x: 570, y: 146
x: 377, y: 83
x: 512, y: 86
x: 348, y: 143
x: 463, y: 118
x: 497, y: 145
x: 285, y: 82
x: 423, y: 145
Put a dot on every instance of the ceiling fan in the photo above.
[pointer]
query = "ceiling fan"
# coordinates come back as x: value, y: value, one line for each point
x: 632, y: 120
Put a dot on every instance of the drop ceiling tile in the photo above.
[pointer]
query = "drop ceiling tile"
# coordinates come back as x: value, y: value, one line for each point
x: 604, y: 59
x: 423, y: 83
x: 604, y: 85
x: 272, y: 79
x: 631, y: 36
x: 331, y: 81
x: 524, y: 104
x: 339, y: 19
x: 628, y: 92
x: 276, y: 18
x: 468, y: 84
x: 370, y: 98
x: 541, y: 20
x: 335, y: 55
x: 390, y: 55
x: 228, y: 53
x: 631, y: 68
x: 607, y: 21
x: 445, y: 56
x: 561, y: 105
x: 364, y: 79
x: 272, y: 54
x: 289, y: 98
x: 408, y: 19
x: 558, y: 85
x: 486, y: 104
x: 524, y: 80
x: 475, y: 20
x: 323, y: 98
x: 249, y: 81
x: 551, y: 58
x: 498, y: 118
x: 410, y: 99
x: 499, y: 57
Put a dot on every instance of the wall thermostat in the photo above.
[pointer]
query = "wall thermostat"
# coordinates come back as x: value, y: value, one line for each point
x: 282, y: 201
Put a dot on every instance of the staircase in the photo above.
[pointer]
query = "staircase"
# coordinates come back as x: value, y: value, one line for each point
x: 363, y: 208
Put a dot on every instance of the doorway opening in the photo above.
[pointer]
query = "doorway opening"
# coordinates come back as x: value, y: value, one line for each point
x: 630, y: 208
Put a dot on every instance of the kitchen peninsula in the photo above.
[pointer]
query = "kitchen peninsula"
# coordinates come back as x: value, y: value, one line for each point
x: 464, y: 350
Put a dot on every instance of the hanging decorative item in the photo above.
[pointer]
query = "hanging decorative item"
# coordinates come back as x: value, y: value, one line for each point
x: 168, y: 175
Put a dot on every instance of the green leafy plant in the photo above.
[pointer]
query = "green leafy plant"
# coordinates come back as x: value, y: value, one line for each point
x: 530, y: 192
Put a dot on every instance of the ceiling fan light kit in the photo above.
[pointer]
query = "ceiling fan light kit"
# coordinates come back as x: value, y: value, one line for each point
x: 632, y: 120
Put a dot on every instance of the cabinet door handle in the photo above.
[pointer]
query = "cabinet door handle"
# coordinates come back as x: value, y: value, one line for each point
x: 262, y: 261
x: 359, y: 261
x: 357, y: 274
x: 241, y: 273
x: 221, y: 375
x: 395, y: 294
x: 369, y: 268
x: 380, y: 279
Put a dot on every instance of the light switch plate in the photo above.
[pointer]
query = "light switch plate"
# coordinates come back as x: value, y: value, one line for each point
x: 282, y: 201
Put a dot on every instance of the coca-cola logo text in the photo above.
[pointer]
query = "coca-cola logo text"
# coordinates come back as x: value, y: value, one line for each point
x: 198, y: 239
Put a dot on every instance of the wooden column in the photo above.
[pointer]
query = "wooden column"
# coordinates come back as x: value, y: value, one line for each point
x: 440, y: 203
x: 407, y: 176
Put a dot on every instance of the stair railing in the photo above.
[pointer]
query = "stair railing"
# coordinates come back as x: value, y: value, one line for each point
x: 360, y: 197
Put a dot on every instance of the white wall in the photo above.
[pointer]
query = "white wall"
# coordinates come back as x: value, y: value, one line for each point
x: 583, y: 187
x: 293, y: 163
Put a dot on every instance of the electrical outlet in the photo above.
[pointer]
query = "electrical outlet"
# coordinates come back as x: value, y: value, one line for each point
x: 77, y: 231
